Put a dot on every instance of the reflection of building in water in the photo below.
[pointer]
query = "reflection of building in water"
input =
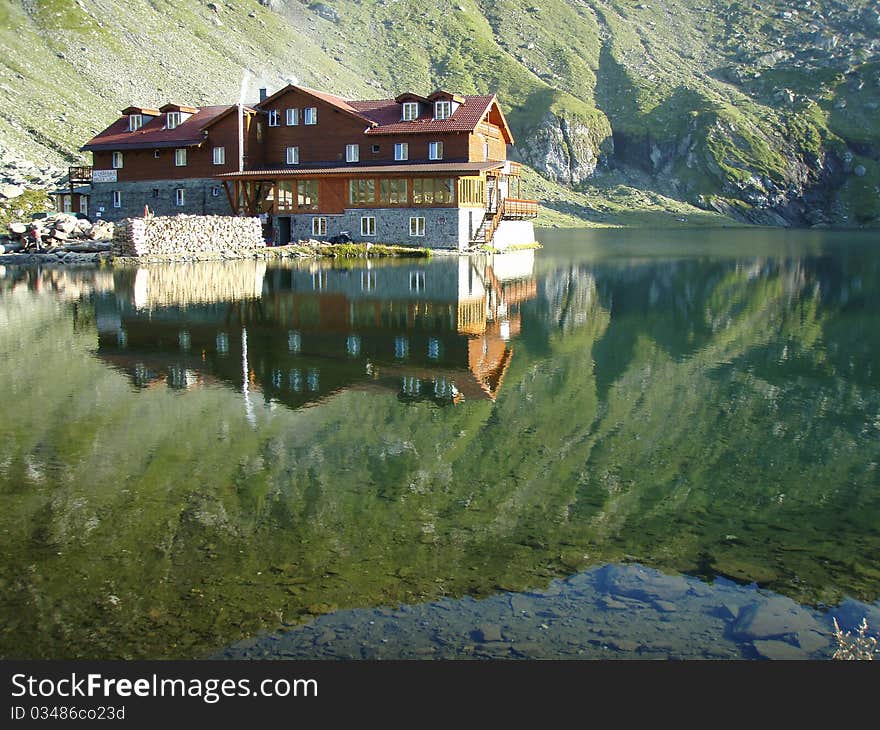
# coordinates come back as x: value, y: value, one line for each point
x: 439, y: 331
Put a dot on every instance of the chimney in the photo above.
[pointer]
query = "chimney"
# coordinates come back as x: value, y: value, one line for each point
x: 263, y: 94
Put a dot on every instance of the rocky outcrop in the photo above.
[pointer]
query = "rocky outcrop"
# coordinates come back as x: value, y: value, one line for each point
x: 57, y: 237
x: 565, y: 148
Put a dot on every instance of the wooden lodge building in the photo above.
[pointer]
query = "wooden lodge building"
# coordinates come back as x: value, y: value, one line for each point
x: 423, y: 171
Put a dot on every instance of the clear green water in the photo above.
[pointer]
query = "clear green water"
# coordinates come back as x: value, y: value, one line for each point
x: 193, y: 455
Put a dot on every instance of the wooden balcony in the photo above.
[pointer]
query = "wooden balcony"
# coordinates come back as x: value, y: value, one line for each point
x: 518, y: 209
x: 515, y: 168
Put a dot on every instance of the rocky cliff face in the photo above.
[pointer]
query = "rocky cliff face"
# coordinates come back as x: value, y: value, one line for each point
x: 565, y: 149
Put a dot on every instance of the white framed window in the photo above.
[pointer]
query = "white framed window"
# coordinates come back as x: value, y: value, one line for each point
x: 117, y: 198
x: 179, y: 196
x: 84, y: 204
x: 172, y: 120
x: 292, y: 117
x: 410, y: 110
x: 435, y: 150
x: 180, y: 157
x: 68, y: 205
x: 352, y: 152
x: 117, y: 160
x: 319, y: 226
x: 310, y: 115
x: 486, y: 151
x: 293, y: 155
x: 215, y: 191
x: 401, y: 151
x: 417, y: 226
x: 442, y: 109
x: 368, y: 225
x: 274, y: 117
x: 135, y: 122
x: 417, y: 279
x: 219, y: 155
x: 157, y: 154
x: 368, y: 280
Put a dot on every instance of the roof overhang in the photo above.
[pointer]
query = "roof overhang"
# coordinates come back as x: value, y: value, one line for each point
x: 141, y: 110
x: 179, y: 108
x: 409, y: 96
x: 439, y: 168
x: 120, y: 146
x: 338, y: 103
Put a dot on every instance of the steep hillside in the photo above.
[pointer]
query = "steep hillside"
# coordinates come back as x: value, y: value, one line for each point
x: 766, y: 112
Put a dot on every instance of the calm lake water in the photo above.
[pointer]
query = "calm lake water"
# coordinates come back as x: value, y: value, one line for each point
x: 627, y: 444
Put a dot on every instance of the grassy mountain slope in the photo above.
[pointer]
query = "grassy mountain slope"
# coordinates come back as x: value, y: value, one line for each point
x: 764, y: 112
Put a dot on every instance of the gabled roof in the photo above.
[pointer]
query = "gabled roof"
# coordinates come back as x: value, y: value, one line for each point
x: 140, y: 110
x: 440, y: 94
x: 178, y: 108
x: 335, y: 101
x: 154, y: 134
x: 386, y: 113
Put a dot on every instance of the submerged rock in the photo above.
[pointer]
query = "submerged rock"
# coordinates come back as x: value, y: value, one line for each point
x: 772, y: 618
x: 775, y: 649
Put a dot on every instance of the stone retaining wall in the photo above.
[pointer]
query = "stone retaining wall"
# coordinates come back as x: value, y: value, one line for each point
x: 188, y: 237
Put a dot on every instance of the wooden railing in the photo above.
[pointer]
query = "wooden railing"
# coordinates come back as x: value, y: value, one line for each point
x: 515, y: 168
x: 518, y: 209
x: 509, y: 209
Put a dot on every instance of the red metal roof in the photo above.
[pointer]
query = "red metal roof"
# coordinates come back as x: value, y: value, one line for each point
x: 154, y: 134
x: 448, y: 168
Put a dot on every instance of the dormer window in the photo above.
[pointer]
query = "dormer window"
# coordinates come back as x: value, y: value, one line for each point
x: 135, y: 122
x: 442, y: 109
x: 172, y: 120
x: 410, y: 110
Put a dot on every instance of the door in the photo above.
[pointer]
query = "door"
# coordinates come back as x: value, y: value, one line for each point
x: 283, y: 230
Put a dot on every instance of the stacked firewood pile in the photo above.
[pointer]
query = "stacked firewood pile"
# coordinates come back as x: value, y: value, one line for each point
x: 187, y: 237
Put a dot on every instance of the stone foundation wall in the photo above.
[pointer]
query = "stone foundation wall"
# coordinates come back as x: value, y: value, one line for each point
x: 188, y: 237
x: 201, y: 196
x: 444, y: 227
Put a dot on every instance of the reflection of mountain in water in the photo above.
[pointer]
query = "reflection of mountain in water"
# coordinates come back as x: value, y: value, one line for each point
x: 440, y: 332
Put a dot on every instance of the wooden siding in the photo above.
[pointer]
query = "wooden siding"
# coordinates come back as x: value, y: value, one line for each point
x: 487, y: 133
x: 325, y: 141
x: 143, y: 165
